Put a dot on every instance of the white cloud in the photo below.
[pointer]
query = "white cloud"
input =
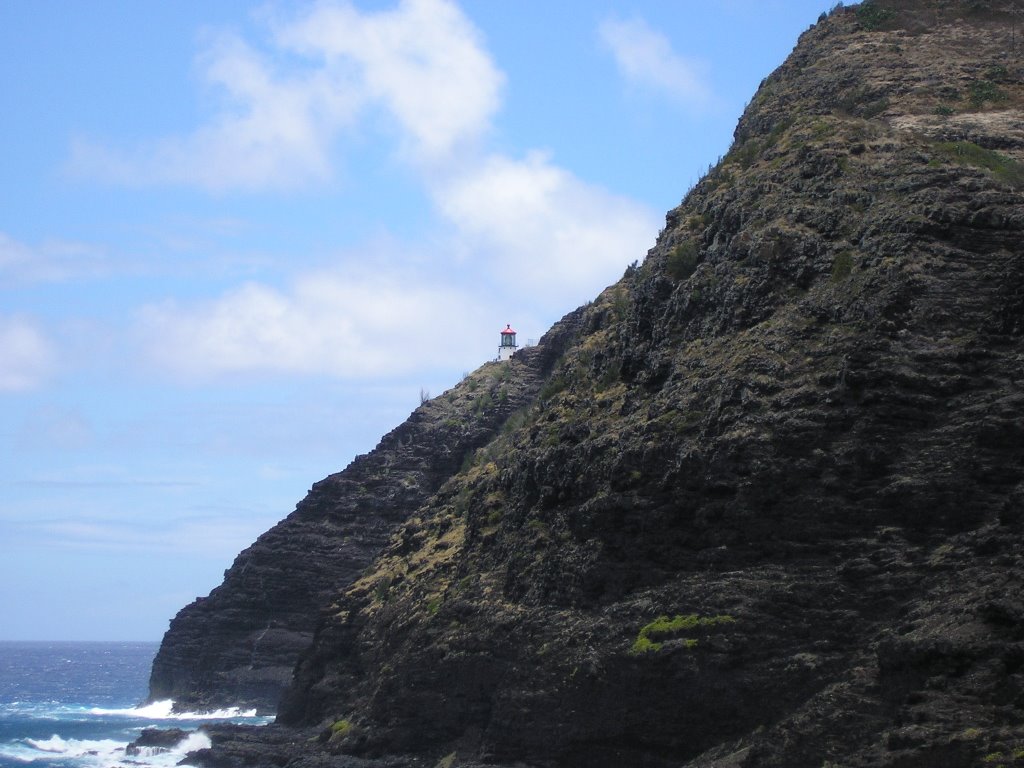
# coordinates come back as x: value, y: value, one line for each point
x: 645, y: 58
x: 544, y: 229
x: 275, y: 129
x: 424, y: 62
x: 279, y: 126
x: 26, y: 356
x: 349, y: 325
x: 14, y: 256
x: 526, y: 233
x: 52, y: 260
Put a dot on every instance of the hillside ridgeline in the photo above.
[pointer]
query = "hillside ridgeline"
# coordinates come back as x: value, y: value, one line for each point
x: 239, y: 645
x: 765, y: 507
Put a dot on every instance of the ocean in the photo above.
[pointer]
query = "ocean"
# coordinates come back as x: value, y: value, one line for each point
x: 80, y: 704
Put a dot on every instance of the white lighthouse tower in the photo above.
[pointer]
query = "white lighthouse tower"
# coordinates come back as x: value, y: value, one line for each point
x: 508, y: 344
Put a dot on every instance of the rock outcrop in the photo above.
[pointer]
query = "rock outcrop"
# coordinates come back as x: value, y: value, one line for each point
x: 238, y: 646
x: 766, y: 509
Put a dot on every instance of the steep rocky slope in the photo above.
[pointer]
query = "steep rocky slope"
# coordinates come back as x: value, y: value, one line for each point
x: 238, y: 646
x: 767, y: 507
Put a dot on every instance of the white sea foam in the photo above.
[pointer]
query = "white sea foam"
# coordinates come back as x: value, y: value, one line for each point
x: 102, y: 753
x: 98, y: 752
x: 160, y: 756
x: 164, y: 710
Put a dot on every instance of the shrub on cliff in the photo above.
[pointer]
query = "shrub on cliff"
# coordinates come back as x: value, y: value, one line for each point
x: 682, y: 261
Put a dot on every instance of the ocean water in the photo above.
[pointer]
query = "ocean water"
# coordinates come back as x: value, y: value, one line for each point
x: 79, y: 704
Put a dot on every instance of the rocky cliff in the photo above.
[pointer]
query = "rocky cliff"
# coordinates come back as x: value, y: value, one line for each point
x: 238, y: 646
x: 766, y: 508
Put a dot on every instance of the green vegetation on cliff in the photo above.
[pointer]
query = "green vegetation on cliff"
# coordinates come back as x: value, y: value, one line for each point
x: 650, y: 636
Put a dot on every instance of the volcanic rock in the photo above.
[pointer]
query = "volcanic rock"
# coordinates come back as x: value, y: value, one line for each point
x: 766, y: 506
x: 237, y: 647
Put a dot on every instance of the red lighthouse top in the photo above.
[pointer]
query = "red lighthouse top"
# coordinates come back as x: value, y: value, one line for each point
x: 508, y: 330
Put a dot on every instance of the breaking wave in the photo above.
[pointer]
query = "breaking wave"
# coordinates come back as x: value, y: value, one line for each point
x: 90, y: 753
x: 164, y: 710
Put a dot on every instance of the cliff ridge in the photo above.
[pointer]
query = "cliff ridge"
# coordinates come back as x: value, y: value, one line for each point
x: 763, y: 503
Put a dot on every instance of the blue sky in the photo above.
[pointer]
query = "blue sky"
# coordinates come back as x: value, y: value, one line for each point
x: 237, y: 240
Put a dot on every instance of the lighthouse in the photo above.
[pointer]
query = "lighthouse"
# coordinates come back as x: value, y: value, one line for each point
x: 508, y: 344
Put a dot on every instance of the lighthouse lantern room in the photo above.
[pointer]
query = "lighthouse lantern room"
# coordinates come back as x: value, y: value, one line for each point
x: 508, y: 343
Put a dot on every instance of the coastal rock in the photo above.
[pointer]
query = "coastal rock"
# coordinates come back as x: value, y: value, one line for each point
x: 764, y: 507
x: 237, y: 647
x: 155, y: 740
x: 234, y: 746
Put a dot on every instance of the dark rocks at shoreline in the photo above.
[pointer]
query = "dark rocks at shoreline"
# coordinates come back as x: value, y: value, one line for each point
x: 153, y: 740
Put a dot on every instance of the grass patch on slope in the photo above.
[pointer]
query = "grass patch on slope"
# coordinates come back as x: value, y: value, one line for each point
x: 968, y: 153
x: 651, y: 636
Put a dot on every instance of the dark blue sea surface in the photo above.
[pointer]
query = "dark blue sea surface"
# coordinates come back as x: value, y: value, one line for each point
x: 80, y: 704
